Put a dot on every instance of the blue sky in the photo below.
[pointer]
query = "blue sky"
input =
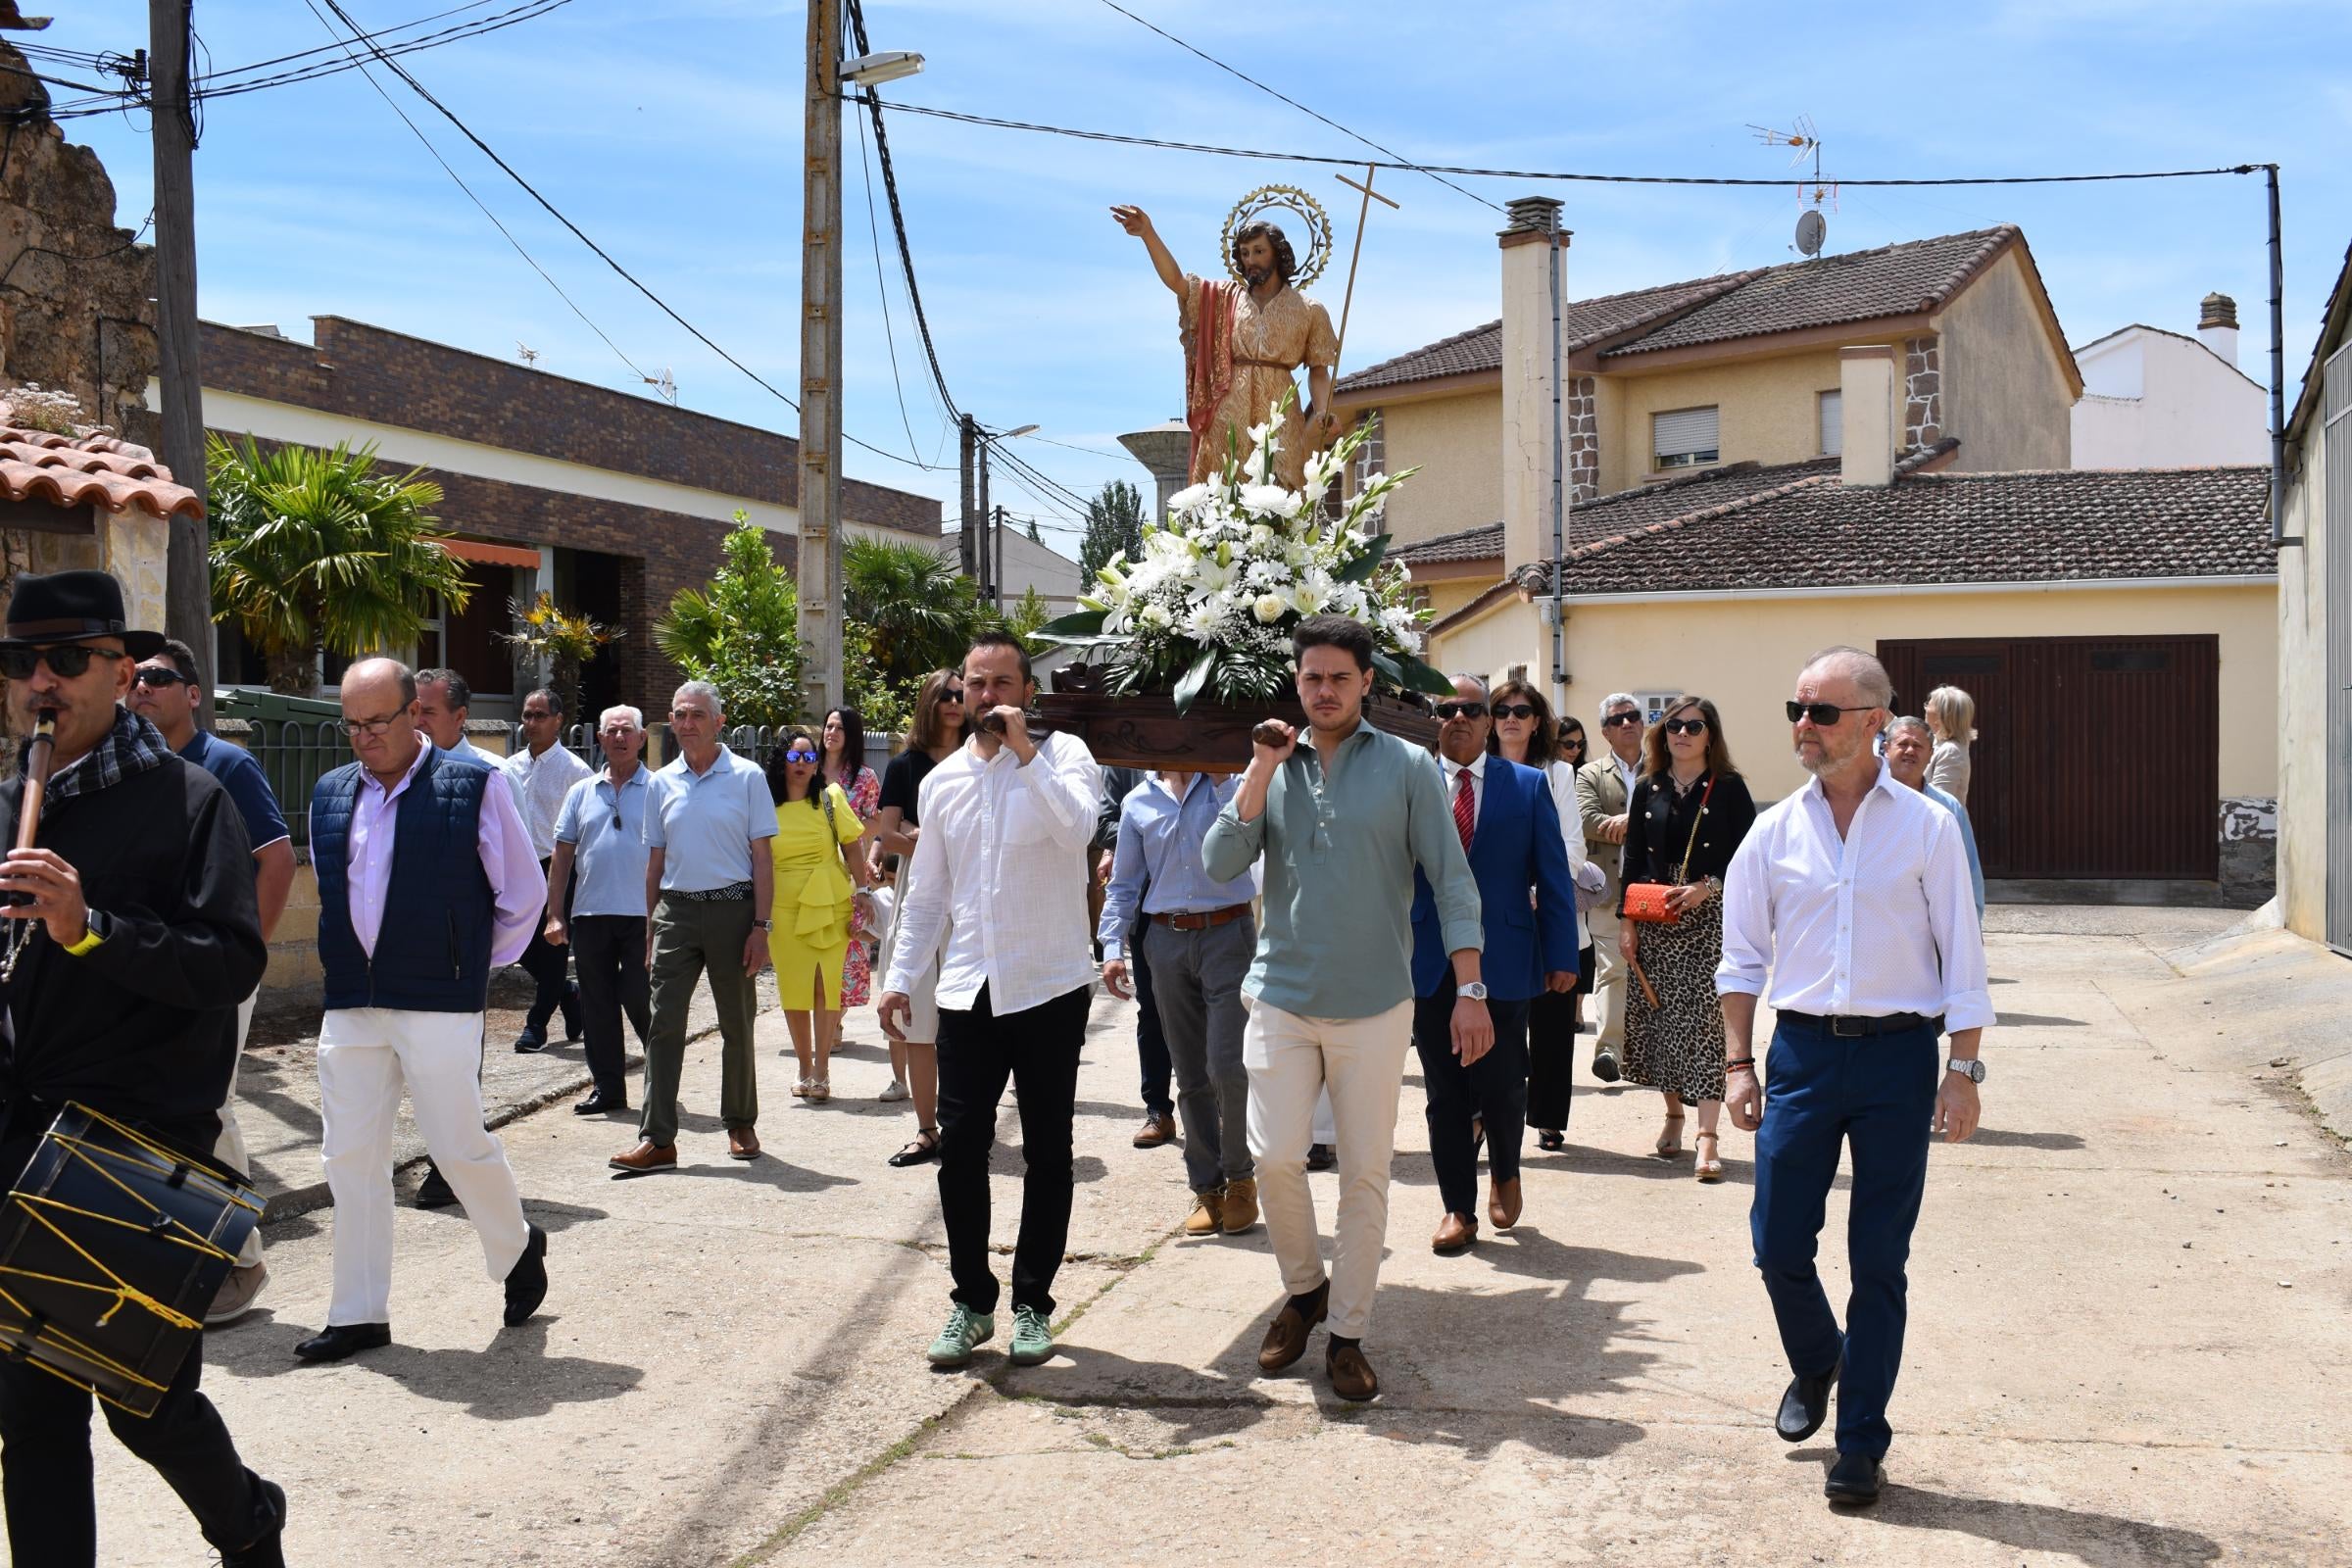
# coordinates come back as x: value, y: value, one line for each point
x: 671, y: 133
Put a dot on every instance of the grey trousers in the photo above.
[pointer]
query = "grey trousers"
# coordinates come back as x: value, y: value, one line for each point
x: 1197, y: 980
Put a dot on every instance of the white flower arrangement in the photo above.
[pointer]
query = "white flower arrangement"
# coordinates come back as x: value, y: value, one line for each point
x: 1209, y: 607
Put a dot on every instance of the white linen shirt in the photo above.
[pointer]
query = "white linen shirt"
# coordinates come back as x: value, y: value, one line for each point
x: 1002, y: 855
x: 1881, y: 921
x: 541, y: 782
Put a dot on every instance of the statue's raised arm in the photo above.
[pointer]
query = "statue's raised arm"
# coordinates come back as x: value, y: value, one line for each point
x: 1135, y: 221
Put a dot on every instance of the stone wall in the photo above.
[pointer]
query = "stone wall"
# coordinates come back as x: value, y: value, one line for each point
x: 1923, y: 393
x: 2249, y: 832
x: 1583, y: 420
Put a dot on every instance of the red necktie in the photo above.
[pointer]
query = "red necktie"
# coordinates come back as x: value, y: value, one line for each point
x: 1465, y: 806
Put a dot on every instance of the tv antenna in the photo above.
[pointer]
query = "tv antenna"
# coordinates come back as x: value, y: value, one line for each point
x: 526, y: 353
x: 1812, y: 228
x: 665, y: 385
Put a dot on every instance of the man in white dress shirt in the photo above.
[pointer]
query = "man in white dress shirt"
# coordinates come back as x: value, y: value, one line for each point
x: 1853, y: 895
x: 543, y: 771
x: 1006, y: 823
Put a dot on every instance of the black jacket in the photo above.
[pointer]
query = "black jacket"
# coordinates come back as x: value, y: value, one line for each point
x: 143, y: 1027
x: 1659, y: 829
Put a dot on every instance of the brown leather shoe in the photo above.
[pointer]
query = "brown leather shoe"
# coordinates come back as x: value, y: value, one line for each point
x: 1455, y: 1233
x: 1352, y: 1376
x: 1208, y: 1215
x: 1286, y: 1336
x: 1503, y: 1203
x: 1156, y: 1131
x: 646, y: 1158
x: 742, y: 1143
x: 1240, y: 1206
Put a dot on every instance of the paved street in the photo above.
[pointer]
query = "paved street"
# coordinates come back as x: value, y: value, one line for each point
x: 2129, y: 1326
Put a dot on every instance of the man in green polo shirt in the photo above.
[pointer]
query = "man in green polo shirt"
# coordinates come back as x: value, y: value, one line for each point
x: 1343, y: 823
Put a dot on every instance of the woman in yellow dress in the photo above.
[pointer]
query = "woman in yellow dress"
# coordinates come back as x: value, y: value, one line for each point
x: 819, y: 874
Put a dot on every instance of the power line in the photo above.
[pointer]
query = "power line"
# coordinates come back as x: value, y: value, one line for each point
x: 529, y: 11
x: 873, y: 231
x: 508, y: 234
x: 898, y: 214
x: 1296, y: 104
x: 1470, y: 172
x: 326, y: 48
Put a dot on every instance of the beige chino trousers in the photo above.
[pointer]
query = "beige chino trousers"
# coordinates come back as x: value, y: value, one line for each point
x: 1292, y: 1061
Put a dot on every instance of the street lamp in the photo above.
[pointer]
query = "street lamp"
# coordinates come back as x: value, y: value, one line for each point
x: 980, y: 516
x: 887, y: 65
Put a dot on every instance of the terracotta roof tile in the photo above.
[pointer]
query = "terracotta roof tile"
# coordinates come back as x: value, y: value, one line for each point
x: 98, y: 469
x: 1585, y: 323
x: 1623, y: 509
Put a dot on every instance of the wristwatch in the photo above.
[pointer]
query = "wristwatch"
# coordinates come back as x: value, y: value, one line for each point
x: 1966, y: 1068
x: 94, y: 930
x: 1473, y: 990
x: 763, y: 925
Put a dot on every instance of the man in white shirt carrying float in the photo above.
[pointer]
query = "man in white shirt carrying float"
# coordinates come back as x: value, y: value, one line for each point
x: 1005, y: 822
x: 1853, y: 893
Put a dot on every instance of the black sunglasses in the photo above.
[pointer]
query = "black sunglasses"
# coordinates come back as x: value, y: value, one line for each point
x: 1618, y: 720
x: 1824, y: 715
x: 953, y: 694
x: 157, y: 676
x: 65, y: 659
x: 1461, y: 709
x: 1685, y: 726
x: 1516, y: 711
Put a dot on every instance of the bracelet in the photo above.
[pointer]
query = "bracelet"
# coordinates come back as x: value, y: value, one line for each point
x: 1742, y: 1065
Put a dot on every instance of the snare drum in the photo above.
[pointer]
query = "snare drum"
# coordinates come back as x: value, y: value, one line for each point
x: 111, y: 1249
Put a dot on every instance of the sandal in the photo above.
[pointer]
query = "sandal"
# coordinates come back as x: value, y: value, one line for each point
x: 1708, y: 1170
x: 922, y: 1147
x: 1552, y: 1143
x: 820, y: 1090
x: 800, y: 1090
x: 1669, y: 1142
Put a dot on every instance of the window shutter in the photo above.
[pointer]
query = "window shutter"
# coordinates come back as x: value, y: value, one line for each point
x: 1833, y: 423
x: 1684, y: 432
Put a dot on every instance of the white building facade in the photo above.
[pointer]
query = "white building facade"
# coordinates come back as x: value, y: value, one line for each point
x: 2153, y: 399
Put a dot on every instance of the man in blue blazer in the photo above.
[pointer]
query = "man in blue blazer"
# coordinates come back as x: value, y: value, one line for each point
x: 1511, y: 831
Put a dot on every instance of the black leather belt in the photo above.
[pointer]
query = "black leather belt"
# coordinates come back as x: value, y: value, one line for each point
x: 1203, y: 922
x: 1849, y: 1025
x: 726, y: 895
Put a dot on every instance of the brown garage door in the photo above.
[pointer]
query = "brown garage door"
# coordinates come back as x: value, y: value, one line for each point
x: 2096, y: 757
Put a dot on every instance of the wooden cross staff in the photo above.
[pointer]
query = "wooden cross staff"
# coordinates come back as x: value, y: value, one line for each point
x: 1365, y: 211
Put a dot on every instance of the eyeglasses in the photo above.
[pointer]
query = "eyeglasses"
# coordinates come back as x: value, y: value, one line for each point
x: 1619, y: 721
x: 1461, y: 709
x: 1823, y: 715
x: 1685, y: 726
x: 1516, y: 711
x: 529, y: 717
x: 65, y: 659
x: 373, y: 726
x: 153, y: 675
x: 796, y: 755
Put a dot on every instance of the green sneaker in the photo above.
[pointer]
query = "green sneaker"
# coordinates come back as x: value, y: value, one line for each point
x: 1032, y: 1337
x: 965, y: 1329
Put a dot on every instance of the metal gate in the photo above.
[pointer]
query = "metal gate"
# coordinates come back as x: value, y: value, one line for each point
x: 2336, y: 454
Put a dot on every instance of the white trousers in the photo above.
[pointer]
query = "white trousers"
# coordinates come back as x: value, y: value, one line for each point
x: 1292, y: 1060
x: 1610, y: 975
x: 365, y: 1056
x: 229, y: 1147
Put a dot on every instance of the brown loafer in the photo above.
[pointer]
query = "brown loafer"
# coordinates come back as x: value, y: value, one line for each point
x: 742, y: 1143
x: 1352, y: 1376
x: 1503, y: 1203
x: 1455, y: 1233
x: 647, y: 1156
x: 1156, y: 1131
x: 1286, y: 1336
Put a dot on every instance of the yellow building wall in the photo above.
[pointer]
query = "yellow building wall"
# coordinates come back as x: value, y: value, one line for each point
x: 1450, y: 593
x: 2004, y: 395
x: 2303, y: 612
x: 1746, y: 653
x: 1770, y: 412
x: 1457, y: 444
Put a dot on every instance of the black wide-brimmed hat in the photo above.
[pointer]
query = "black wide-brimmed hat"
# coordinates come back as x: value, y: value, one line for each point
x: 71, y: 607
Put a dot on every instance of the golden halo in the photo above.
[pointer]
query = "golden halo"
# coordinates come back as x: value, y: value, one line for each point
x: 1289, y: 199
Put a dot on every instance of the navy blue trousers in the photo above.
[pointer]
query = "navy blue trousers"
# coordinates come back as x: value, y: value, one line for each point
x: 1875, y: 1095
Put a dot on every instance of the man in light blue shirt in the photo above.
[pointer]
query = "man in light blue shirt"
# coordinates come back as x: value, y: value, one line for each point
x: 600, y: 832
x: 1199, y: 939
x: 1909, y: 747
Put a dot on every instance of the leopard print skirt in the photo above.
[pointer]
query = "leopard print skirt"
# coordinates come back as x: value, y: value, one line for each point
x: 1678, y: 1044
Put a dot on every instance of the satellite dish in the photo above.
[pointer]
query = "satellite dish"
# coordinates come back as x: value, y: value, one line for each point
x: 1811, y: 230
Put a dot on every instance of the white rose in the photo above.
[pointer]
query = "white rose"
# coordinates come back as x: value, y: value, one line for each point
x: 1185, y: 499
x: 1155, y: 618
x: 1268, y: 608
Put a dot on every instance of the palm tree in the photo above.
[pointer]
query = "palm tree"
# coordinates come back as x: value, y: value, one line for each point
x: 919, y: 612
x: 317, y: 551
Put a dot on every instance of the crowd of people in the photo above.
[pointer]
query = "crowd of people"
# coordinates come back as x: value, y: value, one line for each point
x: 1291, y: 932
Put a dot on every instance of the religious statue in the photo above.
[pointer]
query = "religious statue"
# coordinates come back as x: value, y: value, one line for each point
x: 1244, y: 338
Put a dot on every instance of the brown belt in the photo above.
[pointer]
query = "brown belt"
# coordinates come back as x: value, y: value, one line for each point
x: 1272, y: 364
x: 1202, y: 923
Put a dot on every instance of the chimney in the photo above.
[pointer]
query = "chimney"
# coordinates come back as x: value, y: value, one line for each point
x: 2216, y: 325
x: 1866, y: 403
x: 1526, y: 380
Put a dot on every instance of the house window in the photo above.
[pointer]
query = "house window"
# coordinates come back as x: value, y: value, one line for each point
x: 1370, y: 458
x: 1684, y: 438
x: 1653, y: 703
x: 1832, y: 425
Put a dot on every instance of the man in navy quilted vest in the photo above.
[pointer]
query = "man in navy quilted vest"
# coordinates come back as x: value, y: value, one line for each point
x: 427, y: 883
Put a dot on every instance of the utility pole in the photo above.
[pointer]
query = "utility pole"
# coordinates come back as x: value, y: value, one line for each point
x: 967, y: 516
x: 187, y: 570
x: 996, y: 578
x: 982, y: 575
x: 820, y: 574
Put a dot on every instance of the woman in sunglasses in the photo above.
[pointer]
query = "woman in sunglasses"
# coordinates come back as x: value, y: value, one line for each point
x: 820, y: 880
x: 1688, y: 813
x: 843, y: 740
x: 1524, y: 732
x: 939, y: 728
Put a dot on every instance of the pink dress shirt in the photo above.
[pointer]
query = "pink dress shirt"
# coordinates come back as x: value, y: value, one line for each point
x: 517, y: 887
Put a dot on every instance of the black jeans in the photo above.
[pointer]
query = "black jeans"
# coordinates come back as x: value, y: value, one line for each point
x: 610, y: 951
x: 45, y: 1465
x: 1150, y: 1040
x: 978, y: 1050
x: 1493, y: 1086
x: 1551, y: 1060
x: 549, y: 965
